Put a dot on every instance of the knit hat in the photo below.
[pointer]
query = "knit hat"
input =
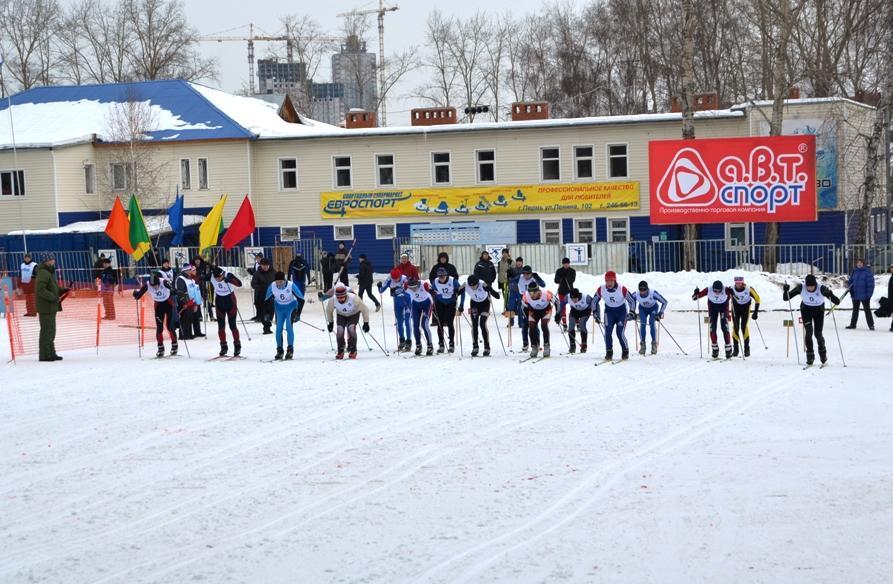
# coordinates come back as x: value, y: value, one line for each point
x: 575, y: 293
x: 441, y: 272
x: 565, y: 260
x: 643, y: 285
x: 164, y: 261
x: 186, y: 268
x: 610, y: 275
x: 47, y: 257
x: 279, y: 276
x: 340, y: 289
x: 404, y: 255
x: 362, y: 256
x: 265, y: 262
x: 811, y: 280
x: 527, y: 270
x: 217, y: 272
x: 533, y: 287
x: 717, y: 286
x: 395, y: 274
x: 412, y: 283
x: 473, y: 280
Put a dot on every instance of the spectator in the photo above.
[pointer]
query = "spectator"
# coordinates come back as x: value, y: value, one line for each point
x: 299, y: 273
x: 257, y: 258
x: 564, y: 277
x: 260, y: 281
x: 49, y: 302
x: 505, y: 270
x: 364, y: 280
x: 406, y: 268
x: 890, y: 292
x: 97, y: 266
x: 443, y: 261
x: 341, y: 263
x: 484, y: 269
x: 326, y: 267
x: 203, y: 279
x: 27, y: 280
x: 108, y: 283
x: 861, y: 284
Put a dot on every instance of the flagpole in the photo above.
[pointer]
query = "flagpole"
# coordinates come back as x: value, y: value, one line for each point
x: 15, y: 158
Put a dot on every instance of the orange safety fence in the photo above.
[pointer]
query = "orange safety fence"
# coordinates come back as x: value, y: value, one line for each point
x: 90, y: 317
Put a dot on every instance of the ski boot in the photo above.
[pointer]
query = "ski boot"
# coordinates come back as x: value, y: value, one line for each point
x: 625, y: 354
x: 714, y: 351
x: 418, y: 350
x: 823, y: 356
x: 223, y: 348
x: 735, y: 349
x: 174, y: 349
x: 747, y: 348
x: 728, y: 351
x: 340, y: 355
x: 572, y: 349
x: 525, y: 348
x: 474, y: 351
x: 452, y: 348
x: 810, y: 358
x: 352, y: 354
x: 429, y: 351
x: 486, y: 352
x: 279, y: 353
x: 289, y: 353
x: 267, y: 329
x: 653, y: 348
x: 534, y: 351
x: 546, y: 350
x: 237, y: 348
x: 609, y: 355
x: 582, y: 348
x: 440, y: 349
x: 160, y: 353
x: 642, y: 349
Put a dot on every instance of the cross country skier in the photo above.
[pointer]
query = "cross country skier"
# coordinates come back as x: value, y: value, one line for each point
x: 812, y: 311
x: 446, y: 289
x: 285, y: 295
x: 651, y: 309
x: 520, y: 284
x: 224, y: 285
x: 538, y: 307
x: 167, y: 272
x: 420, y: 294
x: 479, y: 294
x: 618, y: 306
x: 349, y: 307
x: 718, y: 298
x: 580, y: 310
x: 189, y: 309
x: 165, y: 309
x: 742, y: 297
x: 396, y: 283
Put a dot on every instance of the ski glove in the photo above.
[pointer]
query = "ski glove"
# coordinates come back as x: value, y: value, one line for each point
x: 755, y: 314
x: 660, y: 316
x: 786, y: 287
x: 495, y: 294
x: 597, y: 319
x: 331, y: 326
x: 461, y: 310
x: 632, y: 315
x: 365, y: 327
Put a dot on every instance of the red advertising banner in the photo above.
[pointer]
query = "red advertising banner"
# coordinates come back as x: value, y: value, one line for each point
x: 733, y: 180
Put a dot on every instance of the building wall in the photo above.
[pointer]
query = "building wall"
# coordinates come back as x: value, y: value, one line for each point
x: 37, y: 209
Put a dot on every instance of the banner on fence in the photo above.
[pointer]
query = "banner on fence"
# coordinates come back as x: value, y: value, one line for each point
x: 733, y: 180
x: 482, y: 201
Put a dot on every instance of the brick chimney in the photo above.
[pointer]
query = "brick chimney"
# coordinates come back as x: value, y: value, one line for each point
x: 433, y: 116
x: 700, y: 102
x: 530, y: 110
x: 794, y: 93
x: 360, y: 119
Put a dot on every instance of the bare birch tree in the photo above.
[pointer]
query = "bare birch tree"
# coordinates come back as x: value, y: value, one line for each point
x: 27, y: 28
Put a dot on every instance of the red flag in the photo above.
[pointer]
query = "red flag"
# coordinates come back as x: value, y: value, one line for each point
x: 118, y: 227
x: 241, y: 227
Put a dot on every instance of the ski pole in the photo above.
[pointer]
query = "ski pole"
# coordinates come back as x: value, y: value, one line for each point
x: 700, y: 334
x: 499, y: 332
x: 793, y: 326
x: 660, y: 322
x: 759, y: 330
x: 837, y: 334
x: 245, y: 328
x: 383, y: 350
x: 365, y: 340
x: 561, y: 330
x: 320, y: 329
x: 325, y: 315
x: 139, y: 328
x: 384, y: 330
x: 459, y: 330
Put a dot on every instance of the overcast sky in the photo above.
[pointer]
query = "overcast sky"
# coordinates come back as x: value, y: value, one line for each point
x: 403, y: 28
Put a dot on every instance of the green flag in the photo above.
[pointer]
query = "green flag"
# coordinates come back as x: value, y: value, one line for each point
x: 139, y: 235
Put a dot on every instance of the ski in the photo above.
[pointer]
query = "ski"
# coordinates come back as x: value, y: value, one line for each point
x: 526, y: 360
x: 823, y: 365
x: 602, y: 362
x: 618, y: 361
x: 239, y: 358
x: 219, y: 358
x: 808, y: 367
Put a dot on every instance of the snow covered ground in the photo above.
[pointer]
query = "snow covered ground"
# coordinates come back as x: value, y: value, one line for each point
x: 666, y: 469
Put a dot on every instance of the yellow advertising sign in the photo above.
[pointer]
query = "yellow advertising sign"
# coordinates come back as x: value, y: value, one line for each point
x: 482, y: 201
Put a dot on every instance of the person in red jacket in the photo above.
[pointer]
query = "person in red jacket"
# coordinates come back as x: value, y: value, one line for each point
x: 406, y: 268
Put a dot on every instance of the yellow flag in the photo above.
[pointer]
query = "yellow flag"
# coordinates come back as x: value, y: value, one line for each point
x: 210, y: 229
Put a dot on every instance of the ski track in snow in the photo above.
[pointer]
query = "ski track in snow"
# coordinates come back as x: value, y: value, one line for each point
x: 441, y: 469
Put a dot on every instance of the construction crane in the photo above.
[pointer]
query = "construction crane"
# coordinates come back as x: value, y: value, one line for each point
x: 380, y: 12
x: 251, y: 38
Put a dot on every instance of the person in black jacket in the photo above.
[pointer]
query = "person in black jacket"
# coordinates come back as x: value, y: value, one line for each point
x: 203, y: 279
x: 341, y: 260
x: 364, y: 280
x: 299, y: 273
x: 443, y: 261
x: 108, y: 283
x: 326, y: 267
x: 260, y: 281
x: 564, y: 277
x: 484, y: 269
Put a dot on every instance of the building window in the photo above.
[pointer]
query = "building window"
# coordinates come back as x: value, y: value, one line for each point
x: 584, y: 230
x: 384, y: 169
x: 341, y: 168
x: 388, y: 231
x: 288, y: 174
x: 342, y: 232
x: 618, y: 162
x: 289, y: 233
x: 441, y: 167
x: 583, y: 162
x: 551, y: 164
x: 618, y: 230
x: 203, y: 174
x: 486, y: 163
x: 12, y: 183
x: 551, y: 230
x: 185, y: 174
x: 90, y: 179
x: 737, y: 236
x: 121, y: 175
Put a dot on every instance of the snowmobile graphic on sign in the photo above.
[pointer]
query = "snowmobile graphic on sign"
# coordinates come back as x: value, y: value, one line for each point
x: 727, y: 180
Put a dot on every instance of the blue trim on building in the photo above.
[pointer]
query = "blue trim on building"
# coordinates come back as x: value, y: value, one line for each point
x: 528, y: 231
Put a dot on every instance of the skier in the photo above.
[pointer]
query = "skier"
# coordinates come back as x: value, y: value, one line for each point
x: 742, y: 297
x: 260, y: 284
x: 580, y: 311
x: 446, y: 288
x: 616, y: 299
x: 520, y: 283
x: 479, y: 294
x: 364, y: 280
x: 27, y: 279
x: 718, y: 296
x: 167, y: 272
x: 285, y: 295
x: 538, y: 307
x: 165, y: 309
x: 420, y: 294
x: 651, y: 309
x: 396, y: 283
x: 224, y: 286
x: 812, y: 312
x: 349, y: 307
x: 299, y: 273
x: 564, y: 277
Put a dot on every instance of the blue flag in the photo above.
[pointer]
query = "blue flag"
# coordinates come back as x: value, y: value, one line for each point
x: 175, y: 218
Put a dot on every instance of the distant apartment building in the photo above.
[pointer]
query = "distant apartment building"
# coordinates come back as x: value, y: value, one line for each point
x: 355, y: 69
x: 327, y: 102
x: 278, y: 77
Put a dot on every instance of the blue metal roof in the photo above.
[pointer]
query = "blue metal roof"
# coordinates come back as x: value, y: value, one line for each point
x: 176, y: 96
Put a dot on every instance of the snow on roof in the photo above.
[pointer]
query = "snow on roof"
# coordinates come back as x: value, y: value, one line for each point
x: 156, y: 224
x: 801, y: 101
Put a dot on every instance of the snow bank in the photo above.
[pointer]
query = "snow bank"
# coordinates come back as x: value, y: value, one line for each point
x: 156, y: 224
